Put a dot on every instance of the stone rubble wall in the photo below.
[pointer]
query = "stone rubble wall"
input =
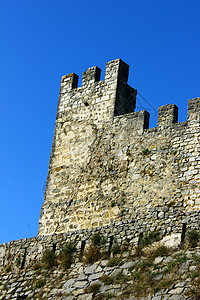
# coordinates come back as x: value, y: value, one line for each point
x: 30, y: 251
x: 106, y: 166
x: 176, y: 273
x: 109, y: 173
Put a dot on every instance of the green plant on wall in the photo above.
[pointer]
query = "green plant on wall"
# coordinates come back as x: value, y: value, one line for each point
x: 93, y: 288
x: 18, y: 261
x: 193, y: 238
x: 92, y: 254
x: 48, y: 259
x: 96, y: 239
x: 8, y: 268
x: 145, y: 152
x: 95, y: 251
x: 113, y: 262
x: 149, y: 238
x: 39, y: 283
x: 66, y: 255
x: 115, y: 249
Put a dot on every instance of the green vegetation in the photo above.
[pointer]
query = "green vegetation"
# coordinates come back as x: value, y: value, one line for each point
x: 143, y: 282
x: 169, y: 267
x: 113, y: 262
x: 92, y: 254
x: 115, y: 249
x: 119, y: 278
x: 95, y: 251
x: 97, y: 239
x: 180, y: 258
x: 39, y: 283
x: 149, y: 238
x: 107, y: 279
x: 93, y: 288
x: 193, y: 238
x: 144, y: 265
x: 8, y: 268
x: 160, y: 251
x: 145, y: 152
x: 48, y: 259
x: 36, y: 266
x: 18, y: 261
x: 196, y: 257
x: 66, y: 255
x: 108, y: 296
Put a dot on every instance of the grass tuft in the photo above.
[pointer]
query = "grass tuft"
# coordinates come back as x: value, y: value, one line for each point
x: 48, y: 259
x: 66, y: 255
x: 193, y: 238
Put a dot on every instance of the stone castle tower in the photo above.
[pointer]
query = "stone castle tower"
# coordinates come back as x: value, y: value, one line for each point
x: 112, y: 184
x: 107, y: 167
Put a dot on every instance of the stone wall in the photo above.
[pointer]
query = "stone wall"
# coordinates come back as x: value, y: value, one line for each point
x: 156, y: 273
x: 106, y: 166
x: 110, y: 174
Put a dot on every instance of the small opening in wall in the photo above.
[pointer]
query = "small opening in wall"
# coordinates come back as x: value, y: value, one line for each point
x: 54, y: 247
x: 23, y: 259
x: 140, y: 239
x: 140, y: 244
x: 82, y: 246
x: 183, y: 234
x: 110, y: 245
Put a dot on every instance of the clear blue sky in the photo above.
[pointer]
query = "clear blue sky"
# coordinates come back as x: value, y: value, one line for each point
x: 42, y: 40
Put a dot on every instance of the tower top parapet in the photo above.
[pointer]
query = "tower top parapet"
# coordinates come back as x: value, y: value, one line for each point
x: 116, y: 70
x: 95, y: 98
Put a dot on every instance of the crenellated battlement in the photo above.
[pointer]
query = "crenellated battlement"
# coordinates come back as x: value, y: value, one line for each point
x: 107, y: 166
x: 112, y: 93
x: 98, y: 99
x: 116, y: 70
x: 69, y: 81
x: 90, y: 76
x: 167, y: 114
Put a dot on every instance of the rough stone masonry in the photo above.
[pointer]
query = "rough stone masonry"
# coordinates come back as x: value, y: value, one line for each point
x: 110, y: 174
x: 108, y: 168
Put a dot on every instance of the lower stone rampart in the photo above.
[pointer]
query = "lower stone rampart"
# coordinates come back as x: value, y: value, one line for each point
x: 22, y: 275
x: 110, y: 268
x: 167, y: 220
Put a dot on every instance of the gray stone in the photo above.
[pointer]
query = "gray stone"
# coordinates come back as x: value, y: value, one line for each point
x: 177, y: 290
x: 90, y: 270
x: 167, y: 260
x: 69, y: 298
x: 177, y: 297
x: 158, y: 277
x: 69, y: 283
x: 82, y: 277
x: 158, y: 260
x: 128, y: 265
x: 95, y: 276
x: 192, y: 268
x: 81, y: 284
x: 85, y: 297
